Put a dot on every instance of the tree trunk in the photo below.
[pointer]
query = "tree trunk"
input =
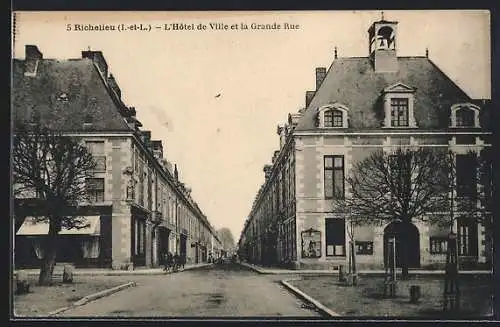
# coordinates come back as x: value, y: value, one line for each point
x: 404, y: 254
x: 48, y: 261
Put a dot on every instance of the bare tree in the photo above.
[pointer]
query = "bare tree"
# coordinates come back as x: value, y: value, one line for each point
x: 401, y: 186
x: 54, y: 167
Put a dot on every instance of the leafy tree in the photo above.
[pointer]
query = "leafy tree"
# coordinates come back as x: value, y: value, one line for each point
x: 53, y: 168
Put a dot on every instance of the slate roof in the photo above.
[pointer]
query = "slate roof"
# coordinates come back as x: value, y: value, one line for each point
x: 87, y: 97
x: 354, y: 83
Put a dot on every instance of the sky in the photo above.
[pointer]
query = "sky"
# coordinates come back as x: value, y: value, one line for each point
x: 215, y: 97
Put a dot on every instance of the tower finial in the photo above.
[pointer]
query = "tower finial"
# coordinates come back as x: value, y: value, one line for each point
x: 335, y: 52
x: 382, y: 15
x: 427, y: 52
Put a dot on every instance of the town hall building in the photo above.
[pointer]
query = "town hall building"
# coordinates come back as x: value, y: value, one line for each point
x: 360, y: 105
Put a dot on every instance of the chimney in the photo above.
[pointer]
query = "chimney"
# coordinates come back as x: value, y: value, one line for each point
x: 309, y: 96
x: 293, y: 119
x: 320, y: 76
x: 267, y: 171
x: 157, y: 149
x: 176, y: 172
x: 32, y: 56
x: 98, y: 59
x: 32, y: 53
x: 275, y: 156
x: 146, y: 137
x: 113, y: 86
x: 281, y: 131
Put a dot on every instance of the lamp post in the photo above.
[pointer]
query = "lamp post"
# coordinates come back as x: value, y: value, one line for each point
x: 352, y: 250
x: 451, y: 279
x: 390, y: 281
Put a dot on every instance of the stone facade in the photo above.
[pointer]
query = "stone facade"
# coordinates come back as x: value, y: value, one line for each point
x: 151, y: 209
x: 360, y: 91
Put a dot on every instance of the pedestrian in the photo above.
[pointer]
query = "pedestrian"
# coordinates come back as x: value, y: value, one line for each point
x: 170, y: 261
x: 166, y: 261
x: 183, y: 260
x: 176, y: 262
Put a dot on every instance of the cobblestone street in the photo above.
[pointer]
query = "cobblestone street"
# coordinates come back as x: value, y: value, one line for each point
x: 222, y: 291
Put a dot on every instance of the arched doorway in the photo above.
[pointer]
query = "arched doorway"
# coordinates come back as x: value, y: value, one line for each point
x: 408, y: 233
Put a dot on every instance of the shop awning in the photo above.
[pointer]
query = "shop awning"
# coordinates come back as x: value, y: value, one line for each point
x: 32, y: 228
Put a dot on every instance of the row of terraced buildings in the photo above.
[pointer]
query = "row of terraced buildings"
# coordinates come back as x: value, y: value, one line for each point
x: 139, y: 208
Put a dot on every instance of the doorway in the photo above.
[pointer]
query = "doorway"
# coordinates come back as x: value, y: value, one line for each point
x: 403, y: 232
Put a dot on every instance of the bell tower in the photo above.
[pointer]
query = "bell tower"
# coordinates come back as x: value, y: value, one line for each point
x: 382, y: 37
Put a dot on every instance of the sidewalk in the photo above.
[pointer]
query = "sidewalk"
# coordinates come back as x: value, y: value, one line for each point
x: 279, y: 271
x: 58, y: 271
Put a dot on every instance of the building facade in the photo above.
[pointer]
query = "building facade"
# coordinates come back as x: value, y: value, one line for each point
x: 138, y: 207
x: 360, y: 105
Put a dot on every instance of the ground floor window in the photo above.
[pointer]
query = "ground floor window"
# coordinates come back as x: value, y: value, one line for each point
x: 438, y: 245
x: 335, y: 237
x: 70, y: 248
x: 467, y: 237
x: 90, y: 247
x: 364, y: 247
x: 139, y: 236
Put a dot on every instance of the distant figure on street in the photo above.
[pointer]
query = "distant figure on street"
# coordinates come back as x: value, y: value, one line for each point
x: 176, y: 262
x: 168, y: 261
x: 183, y: 260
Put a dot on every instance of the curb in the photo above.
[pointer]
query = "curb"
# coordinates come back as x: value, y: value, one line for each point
x: 118, y: 272
x: 366, y: 272
x: 92, y: 297
x: 320, y: 307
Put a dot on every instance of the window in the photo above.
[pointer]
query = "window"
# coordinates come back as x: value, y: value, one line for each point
x: 334, y: 177
x: 95, y: 189
x: 467, y: 237
x: 136, y: 245
x: 335, y: 237
x: 140, y: 237
x: 438, y: 245
x: 465, y: 117
x: 96, y: 148
x: 399, y: 112
x: 364, y: 247
x: 333, y: 118
x: 142, y: 234
x: 466, y: 175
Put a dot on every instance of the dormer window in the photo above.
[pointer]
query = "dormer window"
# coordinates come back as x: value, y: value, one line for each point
x: 398, y: 106
x: 465, y: 115
x: 399, y: 112
x: 332, y: 116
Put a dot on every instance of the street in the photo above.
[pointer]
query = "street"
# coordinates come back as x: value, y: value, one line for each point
x: 216, y: 291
